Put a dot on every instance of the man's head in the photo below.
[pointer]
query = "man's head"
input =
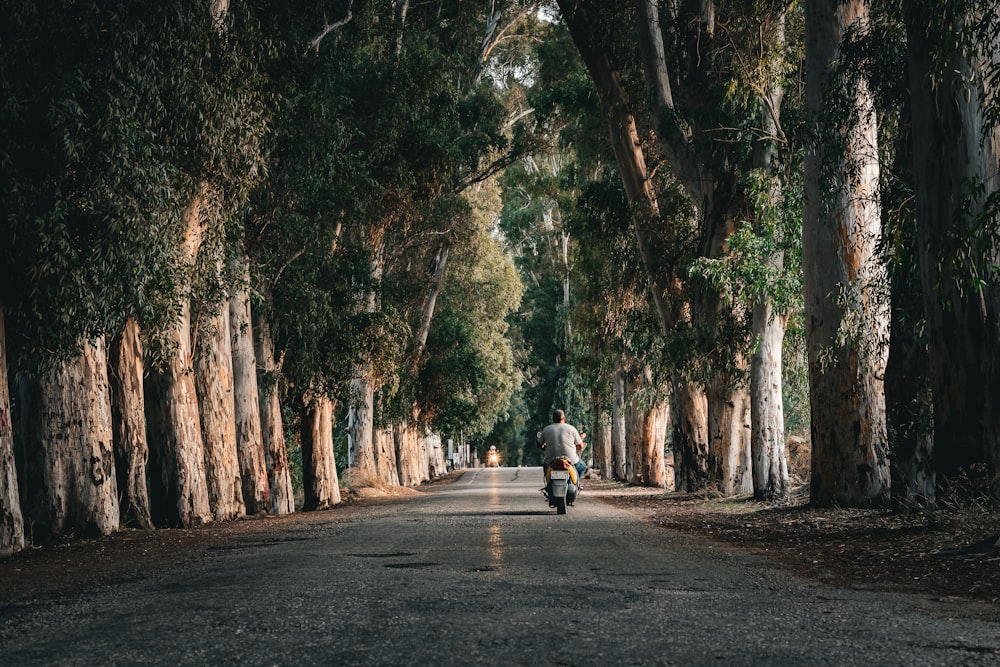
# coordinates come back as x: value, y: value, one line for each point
x: 558, y: 416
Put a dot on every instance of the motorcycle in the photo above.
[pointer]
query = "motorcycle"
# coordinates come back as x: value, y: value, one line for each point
x: 562, y: 484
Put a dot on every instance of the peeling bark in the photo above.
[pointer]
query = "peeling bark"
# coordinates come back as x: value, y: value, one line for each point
x: 178, y: 488
x: 129, y: 422
x: 279, y: 477
x: 846, y: 318
x: 690, y: 428
x: 729, y: 443
x: 770, y: 460
x: 71, y: 449
x: 214, y: 383
x: 11, y: 519
x: 246, y: 403
x: 385, y: 456
x: 319, y: 470
x: 361, y: 429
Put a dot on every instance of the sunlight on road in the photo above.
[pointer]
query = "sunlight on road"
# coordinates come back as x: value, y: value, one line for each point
x: 496, y: 546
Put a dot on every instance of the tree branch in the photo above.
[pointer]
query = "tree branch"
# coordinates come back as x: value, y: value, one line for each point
x: 330, y: 27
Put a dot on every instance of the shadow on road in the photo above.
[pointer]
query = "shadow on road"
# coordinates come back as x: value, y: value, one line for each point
x: 499, y: 513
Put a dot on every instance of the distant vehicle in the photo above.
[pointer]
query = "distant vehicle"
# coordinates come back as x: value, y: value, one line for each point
x: 493, y: 458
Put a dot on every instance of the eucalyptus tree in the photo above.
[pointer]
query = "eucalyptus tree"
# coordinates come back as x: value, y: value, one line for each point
x: 953, y: 57
x: 534, y: 231
x: 623, y: 350
x: 846, y: 315
x: 110, y: 145
x: 469, y: 376
x: 614, y: 75
x: 761, y: 269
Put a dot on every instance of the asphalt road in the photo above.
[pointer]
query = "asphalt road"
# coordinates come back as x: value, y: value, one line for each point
x: 481, y: 572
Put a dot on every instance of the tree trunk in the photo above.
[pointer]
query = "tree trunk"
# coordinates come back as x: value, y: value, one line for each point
x: 178, y: 488
x: 71, y: 444
x: 664, y: 427
x: 690, y: 425
x: 908, y: 399
x: 767, y: 418
x: 246, y: 402
x: 279, y: 479
x: 957, y: 167
x: 214, y: 383
x: 909, y: 413
x: 635, y: 435
x: 627, y: 147
x: 319, y: 470
x: 436, y: 464
x: 769, y: 461
x: 846, y: 318
x: 436, y: 284
x: 654, y: 462
x: 729, y: 445
x: 601, y: 437
x: 11, y: 520
x: 674, y: 137
x: 129, y: 423
x: 619, y: 447
x: 385, y: 456
x: 361, y: 429
x: 406, y: 456
x: 411, y: 454
x: 362, y: 458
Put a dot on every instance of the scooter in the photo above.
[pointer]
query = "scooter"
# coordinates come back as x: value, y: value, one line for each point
x: 562, y: 484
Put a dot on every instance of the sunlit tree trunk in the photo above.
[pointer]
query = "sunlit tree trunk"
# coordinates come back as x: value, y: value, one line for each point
x: 11, y: 520
x: 361, y: 428
x: 279, y: 477
x: 246, y: 402
x: 407, y: 462
x: 956, y: 146
x: 689, y: 419
x: 767, y: 421
x: 663, y: 431
x: 178, y: 488
x: 846, y: 317
x: 214, y: 383
x: 653, y: 458
x: 319, y: 470
x: 129, y: 423
x: 436, y: 465
x: 769, y: 460
x: 729, y: 454
x: 385, y: 456
x: 631, y: 161
x: 361, y: 408
x: 70, y: 448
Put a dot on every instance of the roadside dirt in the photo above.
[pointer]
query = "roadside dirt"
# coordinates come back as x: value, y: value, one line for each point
x: 942, y: 554
x: 937, y: 554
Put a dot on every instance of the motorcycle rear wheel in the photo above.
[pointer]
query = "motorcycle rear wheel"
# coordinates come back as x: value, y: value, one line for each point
x: 561, y: 505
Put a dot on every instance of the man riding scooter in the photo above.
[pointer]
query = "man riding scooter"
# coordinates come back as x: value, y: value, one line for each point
x: 562, y: 440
